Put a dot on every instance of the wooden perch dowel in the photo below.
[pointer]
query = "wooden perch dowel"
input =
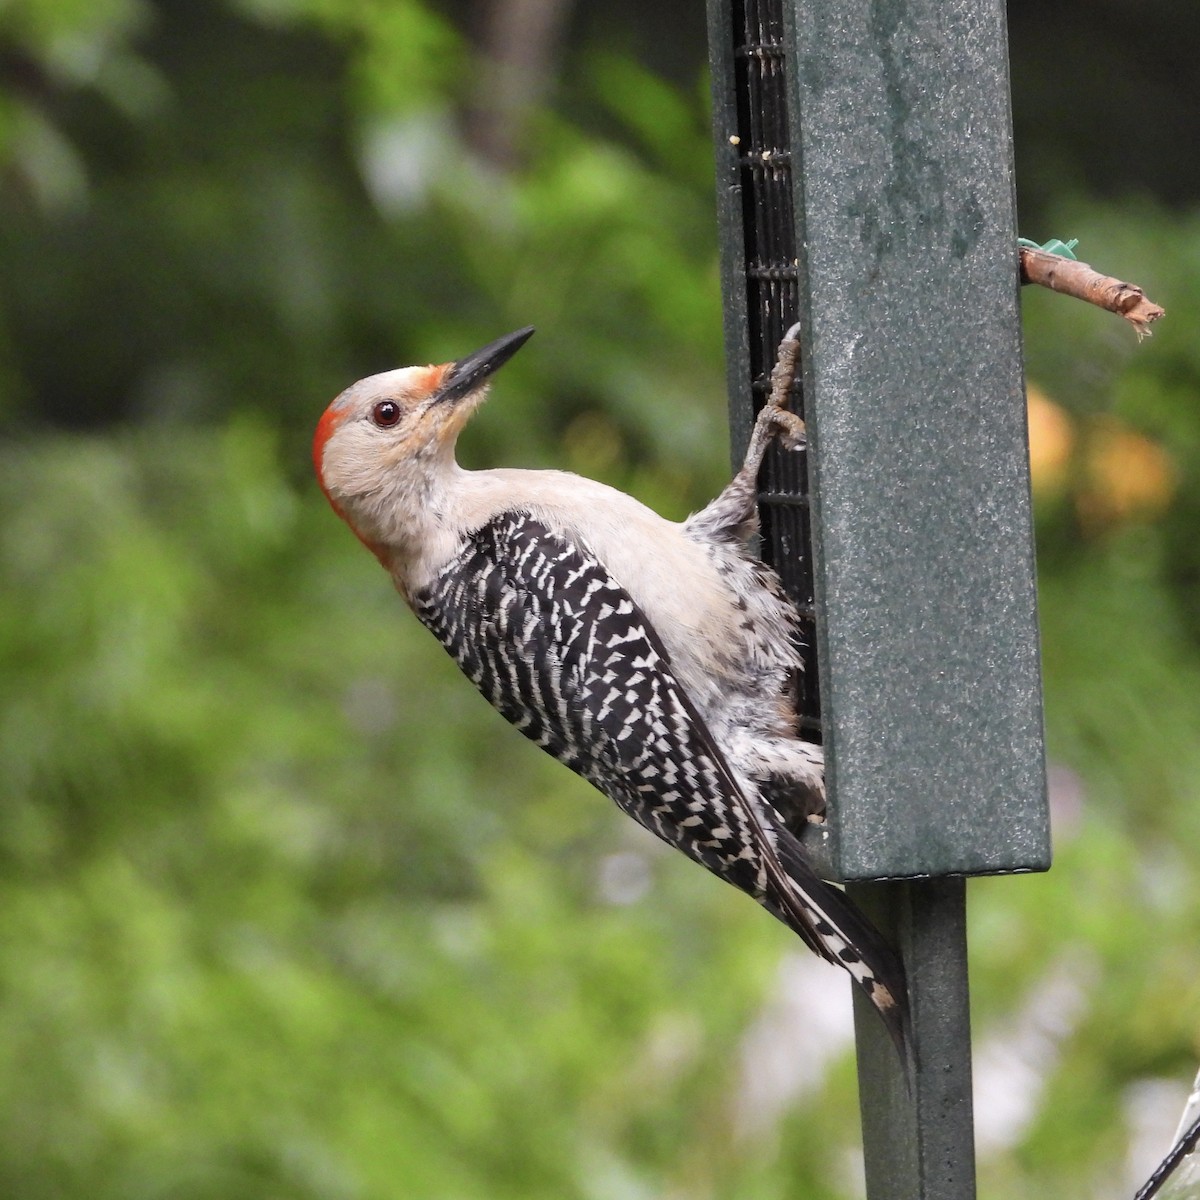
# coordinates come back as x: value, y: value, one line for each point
x: 1074, y: 278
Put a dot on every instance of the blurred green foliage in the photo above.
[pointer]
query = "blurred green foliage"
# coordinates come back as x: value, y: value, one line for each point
x: 287, y: 912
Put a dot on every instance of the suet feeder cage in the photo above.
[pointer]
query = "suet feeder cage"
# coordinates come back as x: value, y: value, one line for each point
x: 865, y: 189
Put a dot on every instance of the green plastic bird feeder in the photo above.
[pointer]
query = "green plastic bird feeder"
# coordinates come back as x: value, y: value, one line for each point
x: 865, y: 189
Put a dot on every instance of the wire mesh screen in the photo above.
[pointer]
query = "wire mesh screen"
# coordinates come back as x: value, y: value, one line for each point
x: 769, y: 238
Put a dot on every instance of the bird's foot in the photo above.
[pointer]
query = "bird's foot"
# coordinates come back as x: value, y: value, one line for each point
x: 783, y: 374
x: 781, y: 423
x: 784, y: 425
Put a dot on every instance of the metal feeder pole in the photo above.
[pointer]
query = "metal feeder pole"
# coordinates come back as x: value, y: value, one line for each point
x: 865, y: 188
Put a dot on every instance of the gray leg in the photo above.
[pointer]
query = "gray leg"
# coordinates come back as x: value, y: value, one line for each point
x: 732, y: 514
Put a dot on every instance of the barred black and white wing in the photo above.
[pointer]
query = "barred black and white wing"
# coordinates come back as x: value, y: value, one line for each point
x: 554, y: 643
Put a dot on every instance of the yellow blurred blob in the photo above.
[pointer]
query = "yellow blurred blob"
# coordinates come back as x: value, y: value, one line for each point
x: 1126, y: 476
x: 1115, y: 473
x: 1051, y: 442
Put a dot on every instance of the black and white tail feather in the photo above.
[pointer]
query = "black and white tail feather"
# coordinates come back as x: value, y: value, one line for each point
x: 599, y: 693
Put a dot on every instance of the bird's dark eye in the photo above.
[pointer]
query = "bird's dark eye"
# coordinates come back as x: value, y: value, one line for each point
x: 386, y: 413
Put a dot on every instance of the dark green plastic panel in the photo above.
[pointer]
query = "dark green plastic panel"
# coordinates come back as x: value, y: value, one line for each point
x: 896, y: 138
x: 914, y: 393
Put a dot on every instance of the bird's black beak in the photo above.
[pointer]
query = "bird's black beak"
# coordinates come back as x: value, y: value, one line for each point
x: 467, y: 374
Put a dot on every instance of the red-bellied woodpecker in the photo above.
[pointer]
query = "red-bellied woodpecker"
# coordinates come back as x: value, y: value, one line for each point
x: 657, y: 659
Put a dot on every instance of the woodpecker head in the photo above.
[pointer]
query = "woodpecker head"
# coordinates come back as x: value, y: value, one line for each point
x: 382, y: 440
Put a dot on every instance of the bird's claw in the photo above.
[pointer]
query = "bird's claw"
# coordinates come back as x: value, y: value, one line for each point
x: 783, y: 374
x: 785, y: 425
